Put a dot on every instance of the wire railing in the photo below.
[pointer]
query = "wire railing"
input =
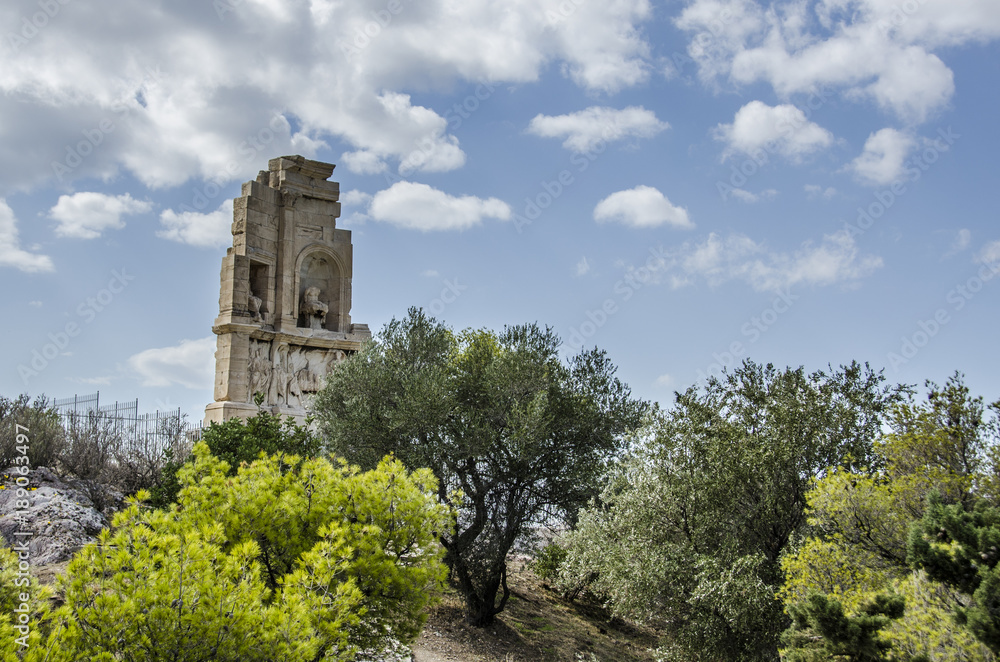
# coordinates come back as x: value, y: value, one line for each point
x: 146, y: 434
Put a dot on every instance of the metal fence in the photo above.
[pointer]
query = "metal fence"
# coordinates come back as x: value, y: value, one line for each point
x: 146, y: 434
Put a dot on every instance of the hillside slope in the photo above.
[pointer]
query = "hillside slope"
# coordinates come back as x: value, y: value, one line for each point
x: 537, y: 625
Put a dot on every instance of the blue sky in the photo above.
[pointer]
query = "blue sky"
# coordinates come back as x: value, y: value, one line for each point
x: 683, y: 184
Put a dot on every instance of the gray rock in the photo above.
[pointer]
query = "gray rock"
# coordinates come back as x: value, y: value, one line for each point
x: 60, y: 515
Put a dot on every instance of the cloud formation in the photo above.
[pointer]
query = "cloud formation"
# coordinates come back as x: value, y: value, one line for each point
x: 641, y: 207
x: 169, y: 92
x: 11, y: 253
x: 717, y: 259
x: 421, y: 207
x: 883, y: 157
x: 583, y: 130
x: 87, y: 215
x: 782, y: 129
x: 190, y: 363
x: 211, y: 230
x: 868, y: 50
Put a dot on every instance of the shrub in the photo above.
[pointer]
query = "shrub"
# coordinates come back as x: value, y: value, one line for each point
x: 548, y: 561
x: 288, y: 559
x: 237, y: 442
x: 46, y: 432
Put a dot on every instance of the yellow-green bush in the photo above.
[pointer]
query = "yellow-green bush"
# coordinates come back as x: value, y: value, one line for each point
x: 287, y: 560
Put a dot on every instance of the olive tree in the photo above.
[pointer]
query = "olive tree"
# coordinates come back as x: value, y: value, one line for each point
x: 690, y: 534
x: 516, y: 436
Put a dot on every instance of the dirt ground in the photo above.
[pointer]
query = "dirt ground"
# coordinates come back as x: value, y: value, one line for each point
x: 537, y: 626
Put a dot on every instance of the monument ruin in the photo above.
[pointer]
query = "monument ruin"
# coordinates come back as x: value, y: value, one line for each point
x: 285, y: 302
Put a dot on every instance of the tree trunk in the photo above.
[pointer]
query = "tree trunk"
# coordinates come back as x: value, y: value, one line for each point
x: 481, y: 610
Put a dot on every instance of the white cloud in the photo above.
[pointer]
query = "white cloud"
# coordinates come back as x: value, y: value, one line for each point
x: 782, y: 129
x: 11, y: 253
x: 585, y: 129
x: 882, y: 160
x: 430, y: 273
x: 420, y: 207
x: 363, y: 162
x: 961, y: 241
x: 355, y: 198
x: 816, y: 191
x: 438, y: 155
x: 864, y: 49
x: 354, y: 203
x: 307, y: 71
x: 211, y: 230
x: 749, y: 197
x: 664, y: 381
x: 990, y: 253
x: 641, y: 207
x: 87, y: 214
x: 93, y: 381
x: 737, y: 257
x: 190, y: 363
x: 582, y: 267
x: 603, y: 49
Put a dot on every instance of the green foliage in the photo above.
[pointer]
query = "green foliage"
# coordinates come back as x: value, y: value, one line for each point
x: 237, y: 441
x: 961, y: 548
x: 821, y: 630
x: 691, y: 532
x: 513, y: 433
x: 928, y: 628
x: 22, y: 603
x: 861, y: 520
x: 288, y: 559
x: 48, y: 440
x: 548, y: 560
x: 168, y: 486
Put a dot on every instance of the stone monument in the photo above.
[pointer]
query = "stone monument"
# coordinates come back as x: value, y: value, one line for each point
x: 285, y: 304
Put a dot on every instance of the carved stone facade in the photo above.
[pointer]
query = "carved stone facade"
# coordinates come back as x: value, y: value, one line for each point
x: 285, y: 305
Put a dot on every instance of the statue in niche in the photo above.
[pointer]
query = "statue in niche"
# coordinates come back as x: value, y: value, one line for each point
x: 314, y: 310
x: 259, y: 378
x: 253, y: 305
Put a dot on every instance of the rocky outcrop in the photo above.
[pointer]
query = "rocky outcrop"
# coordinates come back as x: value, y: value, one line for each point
x: 61, y: 516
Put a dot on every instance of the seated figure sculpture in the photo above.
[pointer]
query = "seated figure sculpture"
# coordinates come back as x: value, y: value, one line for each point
x: 253, y: 305
x: 314, y: 310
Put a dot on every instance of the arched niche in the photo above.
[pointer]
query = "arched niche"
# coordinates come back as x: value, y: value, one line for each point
x: 319, y: 269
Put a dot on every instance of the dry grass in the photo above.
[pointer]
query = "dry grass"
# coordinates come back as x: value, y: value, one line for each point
x: 537, y: 626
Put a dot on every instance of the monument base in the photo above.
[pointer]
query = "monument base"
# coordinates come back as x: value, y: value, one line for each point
x: 217, y: 412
